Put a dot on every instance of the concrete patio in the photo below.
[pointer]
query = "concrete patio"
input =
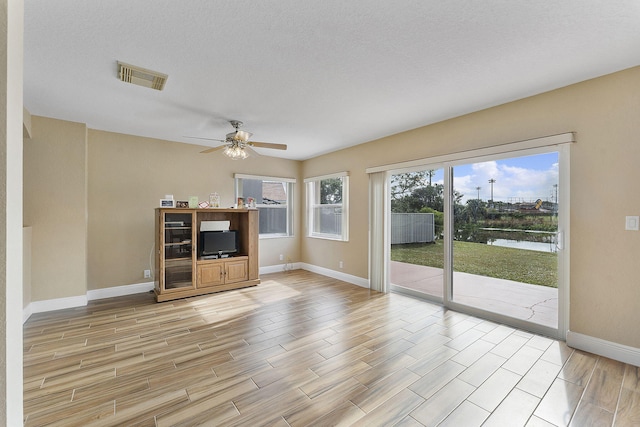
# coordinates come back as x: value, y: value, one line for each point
x: 537, y: 304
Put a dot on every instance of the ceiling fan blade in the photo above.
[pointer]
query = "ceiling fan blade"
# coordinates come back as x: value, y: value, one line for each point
x: 211, y: 150
x: 251, y: 151
x: 206, y: 139
x: 267, y: 145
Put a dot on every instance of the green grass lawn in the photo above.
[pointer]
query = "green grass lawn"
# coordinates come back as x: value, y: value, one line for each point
x: 537, y: 268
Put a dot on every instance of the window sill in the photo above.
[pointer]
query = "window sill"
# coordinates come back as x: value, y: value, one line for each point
x: 275, y: 236
x: 328, y: 237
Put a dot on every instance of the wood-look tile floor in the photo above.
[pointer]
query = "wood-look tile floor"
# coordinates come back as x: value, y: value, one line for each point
x: 302, y: 349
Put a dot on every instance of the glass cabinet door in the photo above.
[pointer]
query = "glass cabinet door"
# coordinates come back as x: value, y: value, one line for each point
x: 178, y: 250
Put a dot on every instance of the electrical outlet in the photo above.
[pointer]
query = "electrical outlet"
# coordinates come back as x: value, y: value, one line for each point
x: 341, y: 264
x: 632, y: 223
x: 281, y: 257
x: 147, y: 274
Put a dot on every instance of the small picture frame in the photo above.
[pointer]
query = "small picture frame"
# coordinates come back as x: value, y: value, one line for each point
x: 182, y: 204
x: 167, y: 203
x: 240, y: 203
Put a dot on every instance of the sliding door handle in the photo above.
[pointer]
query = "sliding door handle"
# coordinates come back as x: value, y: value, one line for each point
x: 560, y: 240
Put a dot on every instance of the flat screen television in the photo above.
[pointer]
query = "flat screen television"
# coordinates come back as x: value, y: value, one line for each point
x: 214, y: 244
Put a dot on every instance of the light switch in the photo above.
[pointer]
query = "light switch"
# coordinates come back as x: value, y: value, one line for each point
x: 632, y: 223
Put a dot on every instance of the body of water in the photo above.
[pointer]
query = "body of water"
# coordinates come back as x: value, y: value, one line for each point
x: 523, y: 244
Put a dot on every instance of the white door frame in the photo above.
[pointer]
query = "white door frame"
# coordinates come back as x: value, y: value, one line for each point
x: 558, y: 143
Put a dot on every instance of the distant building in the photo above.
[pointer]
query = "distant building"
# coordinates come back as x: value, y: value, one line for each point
x: 273, y: 193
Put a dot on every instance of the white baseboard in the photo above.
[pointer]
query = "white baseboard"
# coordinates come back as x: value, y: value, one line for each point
x: 279, y: 268
x: 118, y: 291
x: 26, y: 313
x: 82, y: 300
x: 354, y: 280
x: 612, y: 350
x: 53, y: 304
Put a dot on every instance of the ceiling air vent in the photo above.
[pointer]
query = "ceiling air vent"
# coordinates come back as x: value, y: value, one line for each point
x: 141, y: 77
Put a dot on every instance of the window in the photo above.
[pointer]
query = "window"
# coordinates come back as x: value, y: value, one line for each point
x: 327, y: 204
x: 274, y: 200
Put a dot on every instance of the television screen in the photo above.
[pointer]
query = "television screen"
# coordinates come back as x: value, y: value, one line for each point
x: 218, y: 242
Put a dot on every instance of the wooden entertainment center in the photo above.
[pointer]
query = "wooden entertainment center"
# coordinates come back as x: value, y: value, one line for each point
x: 179, y: 270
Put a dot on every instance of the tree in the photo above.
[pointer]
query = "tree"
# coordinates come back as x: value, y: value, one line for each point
x: 430, y: 174
x: 413, y: 191
x: 431, y: 196
x: 331, y: 191
x: 475, y: 210
x: 403, y: 184
x: 438, y: 220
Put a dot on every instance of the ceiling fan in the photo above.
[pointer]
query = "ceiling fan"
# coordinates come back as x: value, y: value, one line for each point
x: 237, y: 145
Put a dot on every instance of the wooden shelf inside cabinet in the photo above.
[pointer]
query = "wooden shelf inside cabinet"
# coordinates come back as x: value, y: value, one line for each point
x: 181, y: 273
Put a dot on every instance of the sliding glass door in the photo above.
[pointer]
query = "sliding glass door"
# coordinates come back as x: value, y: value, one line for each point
x: 417, y: 231
x: 504, y: 237
x: 487, y: 235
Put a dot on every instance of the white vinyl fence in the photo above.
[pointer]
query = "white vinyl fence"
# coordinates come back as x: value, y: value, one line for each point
x: 412, y: 228
x: 273, y: 219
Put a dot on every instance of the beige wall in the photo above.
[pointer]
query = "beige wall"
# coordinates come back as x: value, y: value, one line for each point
x: 55, y: 206
x: 90, y: 195
x: 128, y: 176
x: 604, y: 292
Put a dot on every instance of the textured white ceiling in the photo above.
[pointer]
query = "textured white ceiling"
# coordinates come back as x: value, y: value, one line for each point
x: 316, y: 75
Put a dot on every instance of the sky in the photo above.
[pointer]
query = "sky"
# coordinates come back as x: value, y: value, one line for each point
x: 518, y: 179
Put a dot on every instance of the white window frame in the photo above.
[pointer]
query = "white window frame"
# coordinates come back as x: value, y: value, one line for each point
x: 290, y: 189
x: 313, y: 201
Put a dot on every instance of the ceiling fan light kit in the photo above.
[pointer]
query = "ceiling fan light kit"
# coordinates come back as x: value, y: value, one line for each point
x: 236, y: 151
x: 237, y: 145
